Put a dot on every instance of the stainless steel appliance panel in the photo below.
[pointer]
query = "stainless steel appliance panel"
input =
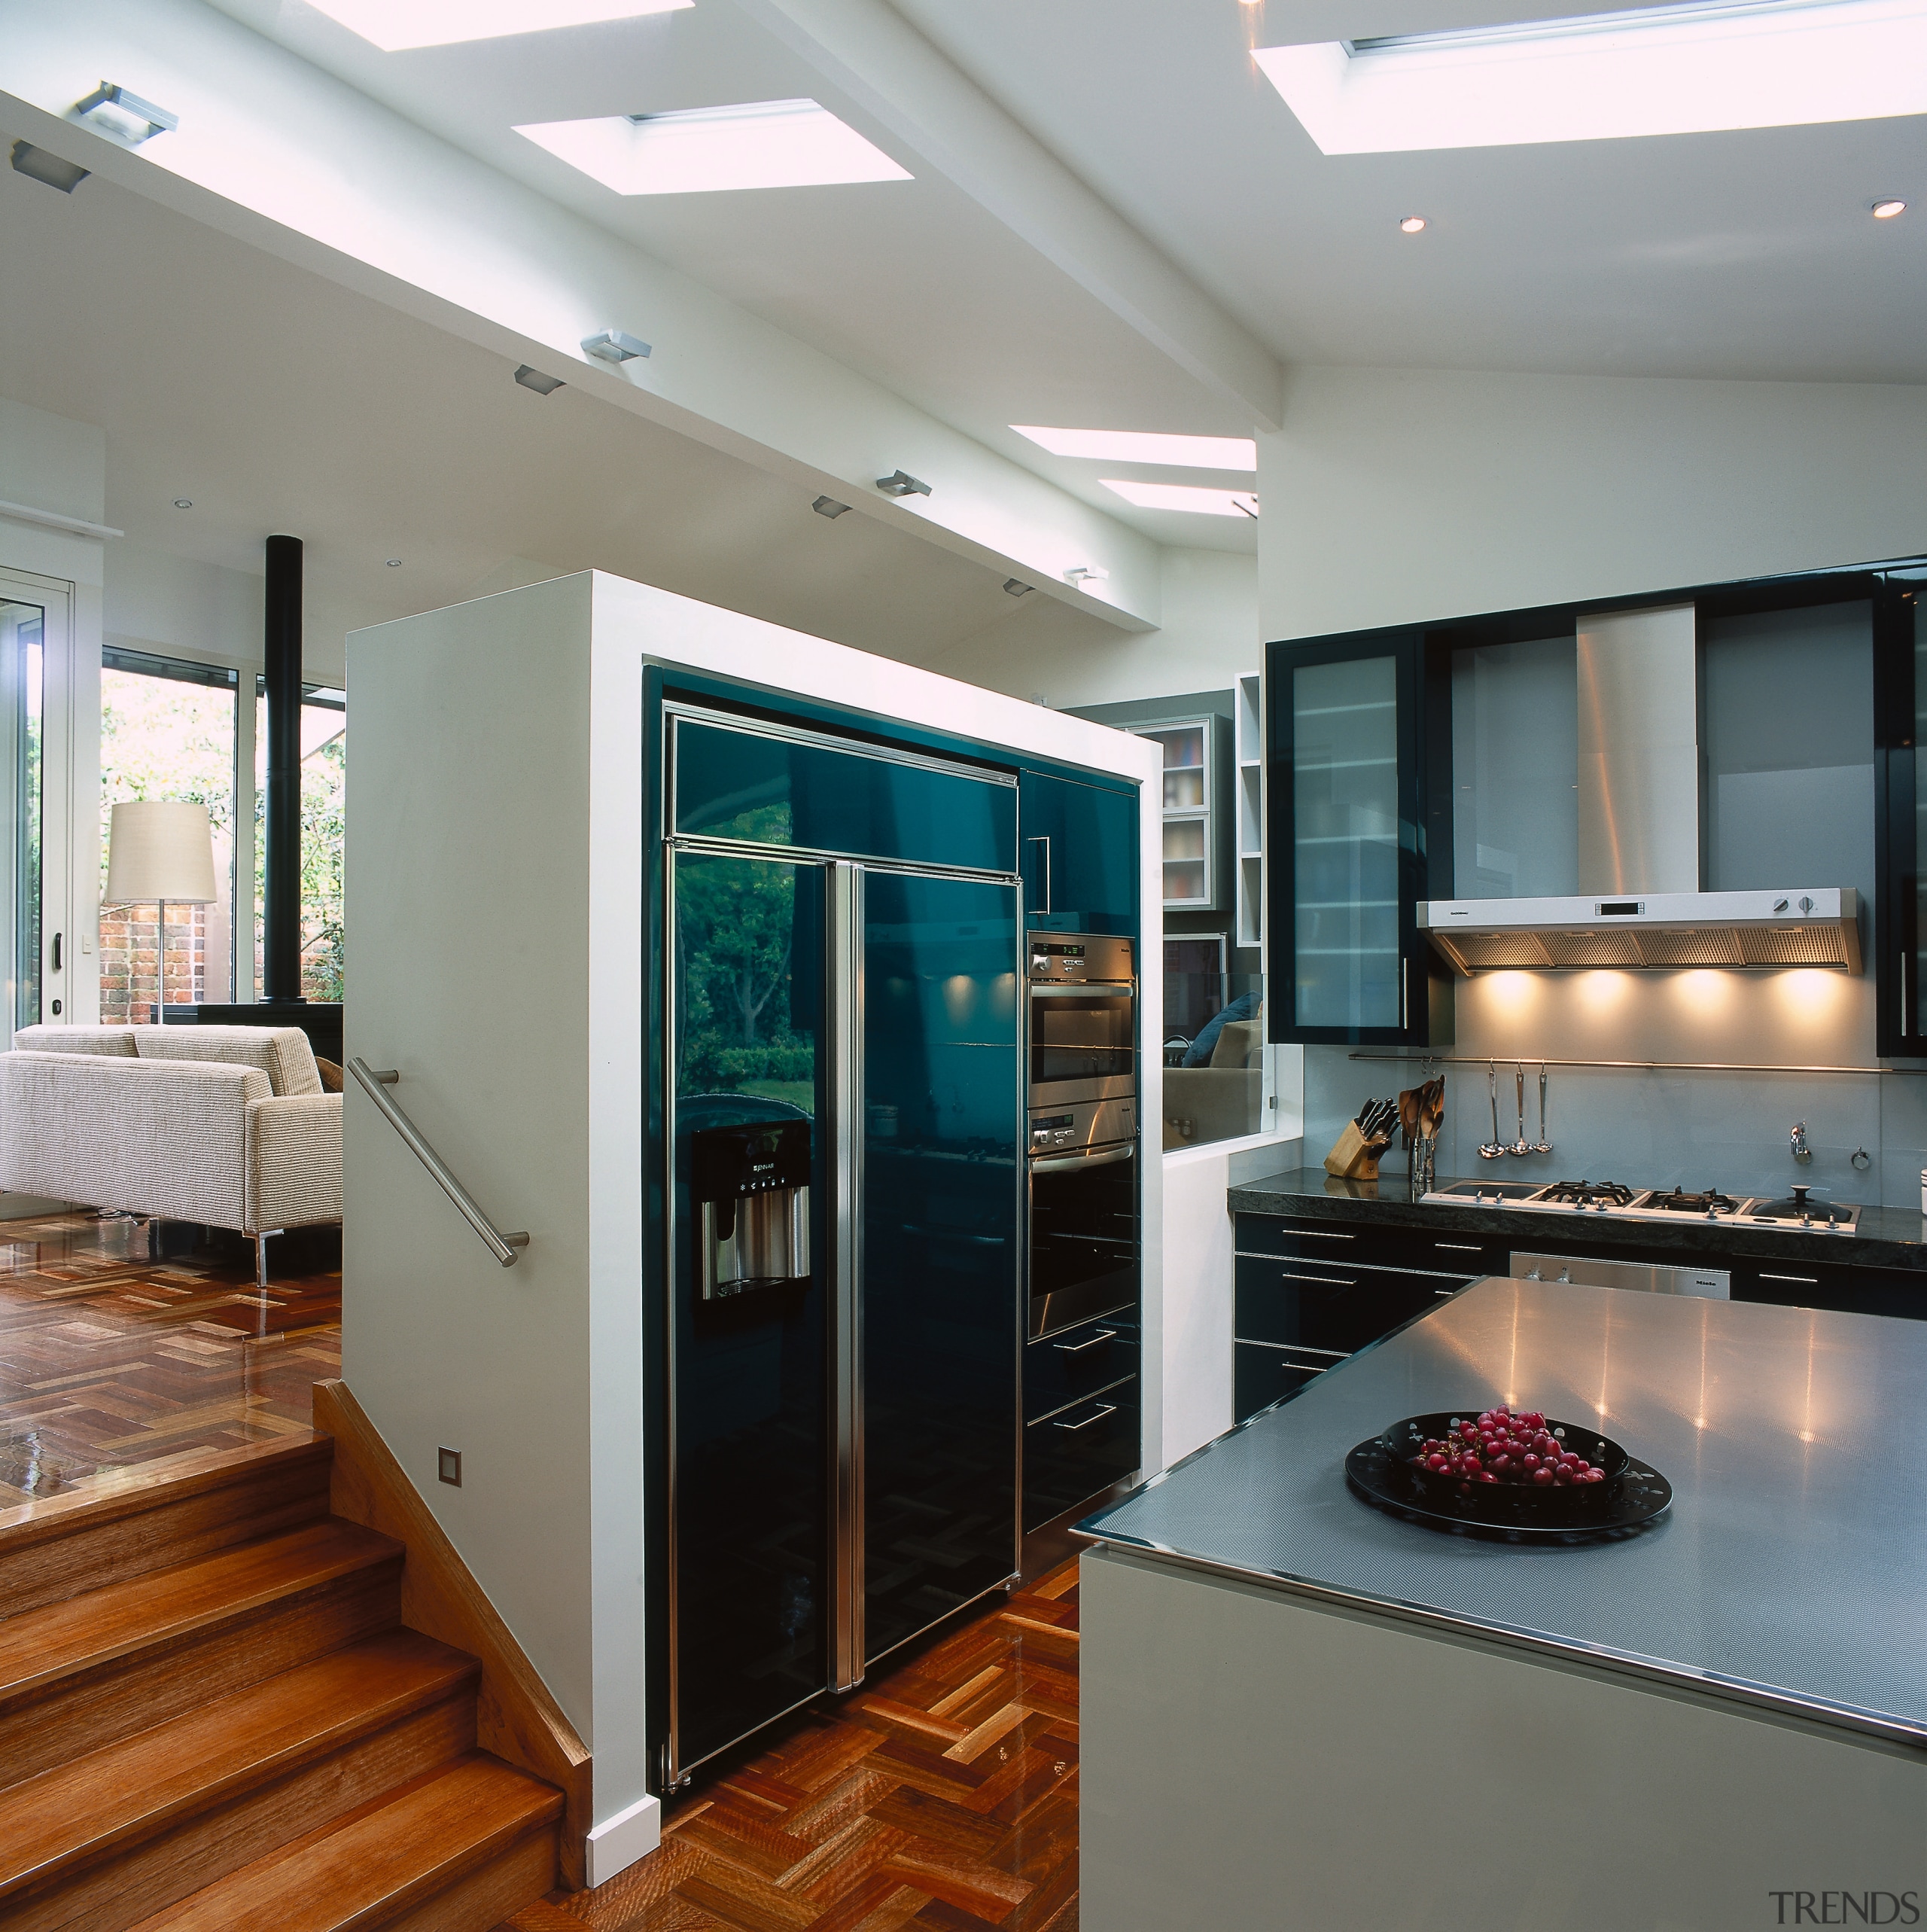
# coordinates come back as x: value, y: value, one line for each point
x: 1709, y: 1284
x: 1070, y: 1131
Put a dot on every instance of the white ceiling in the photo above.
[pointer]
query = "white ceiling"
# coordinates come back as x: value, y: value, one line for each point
x: 1739, y: 254
x: 275, y: 400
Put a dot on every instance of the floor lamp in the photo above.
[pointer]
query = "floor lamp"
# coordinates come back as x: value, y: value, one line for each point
x: 159, y: 849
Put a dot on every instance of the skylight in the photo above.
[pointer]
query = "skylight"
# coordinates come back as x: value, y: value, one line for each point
x: 393, y: 25
x: 1603, y: 77
x: 1134, y: 446
x: 1185, y: 496
x: 762, y: 144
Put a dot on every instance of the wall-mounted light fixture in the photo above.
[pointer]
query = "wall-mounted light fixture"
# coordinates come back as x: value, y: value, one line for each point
x: 613, y: 345
x: 114, y: 110
x: 38, y: 164
x: 534, y: 379
x: 900, y: 483
x: 1012, y: 588
x: 828, y: 506
x: 1083, y: 575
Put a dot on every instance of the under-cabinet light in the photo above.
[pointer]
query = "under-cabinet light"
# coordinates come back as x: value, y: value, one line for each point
x: 1886, y: 210
x: 900, y: 483
x: 38, y: 164
x: 828, y: 506
x: 1015, y: 586
x: 613, y: 345
x: 1603, y: 76
x: 534, y: 379
x: 1083, y: 575
x: 1413, y: 224
x: 1187, y: 497
x: 119, y: 113
x: 1136, y: 446
x: 395, y: 24
x: 700, y: 150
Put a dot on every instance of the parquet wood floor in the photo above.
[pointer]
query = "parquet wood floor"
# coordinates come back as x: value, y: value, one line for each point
x: 942, y: 1795
x: 111, y: 1360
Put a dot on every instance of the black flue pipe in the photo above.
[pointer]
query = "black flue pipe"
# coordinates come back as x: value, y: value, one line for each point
x: 281, y: 894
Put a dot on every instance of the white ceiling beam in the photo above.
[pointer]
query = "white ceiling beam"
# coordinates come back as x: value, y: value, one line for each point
x: 870, y: 51
x: 276, y: 153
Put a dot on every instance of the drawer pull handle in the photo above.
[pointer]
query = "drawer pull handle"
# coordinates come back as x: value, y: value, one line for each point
x: 1460, y: 1247
x: 1104, y: 1409
x: 1323, y: 1281
x: 1313, y: 1234
x: 1097, y: 1340
x: 1301, y: 1368
x: 1805, y: 1281
x: 1447, y: 1293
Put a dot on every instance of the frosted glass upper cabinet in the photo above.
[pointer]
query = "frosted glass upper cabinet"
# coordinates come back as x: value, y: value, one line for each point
x: 1900, y: 909
x: 1347, y: 790
x: 1189, y: 822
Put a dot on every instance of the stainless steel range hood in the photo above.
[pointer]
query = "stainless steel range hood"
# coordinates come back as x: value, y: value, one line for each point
x: 1639, y: 839
x: 1818, y: 927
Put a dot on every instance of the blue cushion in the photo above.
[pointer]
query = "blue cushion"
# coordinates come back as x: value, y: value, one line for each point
x: 1245, y: 1006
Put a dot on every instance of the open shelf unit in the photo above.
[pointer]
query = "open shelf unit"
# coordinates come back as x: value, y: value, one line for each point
x: 1249, y: 811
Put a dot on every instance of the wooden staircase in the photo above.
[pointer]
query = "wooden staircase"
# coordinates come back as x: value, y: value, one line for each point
x: 212, y: 1718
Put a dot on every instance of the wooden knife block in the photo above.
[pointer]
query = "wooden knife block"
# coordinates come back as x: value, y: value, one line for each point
x: 1352, y: 1157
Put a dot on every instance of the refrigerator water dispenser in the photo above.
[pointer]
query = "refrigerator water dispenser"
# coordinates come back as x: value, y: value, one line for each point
x: 751, y: 1182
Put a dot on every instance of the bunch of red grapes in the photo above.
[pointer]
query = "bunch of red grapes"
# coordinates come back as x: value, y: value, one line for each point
x: 1502, y: 1447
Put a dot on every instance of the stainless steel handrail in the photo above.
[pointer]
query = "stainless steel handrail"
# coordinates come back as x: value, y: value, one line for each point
x: 505, y: 1247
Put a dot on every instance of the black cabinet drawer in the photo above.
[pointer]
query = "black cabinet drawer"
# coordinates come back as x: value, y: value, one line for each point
x: 1331, y: 1310
x: 1364, y: 1243
x: 1261, y: 1375
x: 1060, y: 1367
x: 1894, y: 1291
x: 1072, y: 1455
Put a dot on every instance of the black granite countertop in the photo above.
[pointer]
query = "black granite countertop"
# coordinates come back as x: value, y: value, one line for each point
x: 1888, y: 1237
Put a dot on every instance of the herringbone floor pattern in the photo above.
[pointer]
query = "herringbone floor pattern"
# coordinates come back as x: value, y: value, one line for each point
x: 942, y: 1795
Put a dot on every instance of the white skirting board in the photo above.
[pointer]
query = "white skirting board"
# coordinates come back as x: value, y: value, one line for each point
x: 616, y: 1843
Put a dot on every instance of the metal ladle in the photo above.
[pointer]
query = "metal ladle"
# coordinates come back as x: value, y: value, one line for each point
x: 1493, y: 1148
x: 1541, y: 1145
x: 1521, y: 1145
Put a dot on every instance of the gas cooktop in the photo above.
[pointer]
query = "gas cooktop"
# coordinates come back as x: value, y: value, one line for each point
x: 1616, y: 1200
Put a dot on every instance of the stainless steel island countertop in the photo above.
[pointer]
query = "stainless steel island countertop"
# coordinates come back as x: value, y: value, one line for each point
x: 1791, y: 1570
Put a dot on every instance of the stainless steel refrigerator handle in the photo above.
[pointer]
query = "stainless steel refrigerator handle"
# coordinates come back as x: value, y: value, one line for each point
x: 846, y: 1019
x: 1048, y: 1163
x: 507, y: 1248
x: 1045, y: 907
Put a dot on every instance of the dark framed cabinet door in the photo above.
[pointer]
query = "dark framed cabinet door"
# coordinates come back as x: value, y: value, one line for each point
x: 1354, y: 759
x: 1900, y: 911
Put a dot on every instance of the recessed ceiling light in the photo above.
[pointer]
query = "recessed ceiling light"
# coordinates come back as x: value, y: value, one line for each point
x: 828, y: 506
x: 1691, y: 69
x: 1015, y: 586
x: 118, y: 112
x: 183, y: 503
x: 37, y: 164
x: 1413, y: 224
x: 395, y: 563
x: 1185, y: 496
x: 393, y: 25
x: 1886, y: 210
x: 761, y: 144
x: 1135, y: 446
x: 534, y: 379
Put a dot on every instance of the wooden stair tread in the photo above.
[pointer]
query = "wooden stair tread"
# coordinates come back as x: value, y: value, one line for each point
x: 80, y: 1813
x: 361, y: 1873
x: 40, y: 1648
x: 128, y: 1491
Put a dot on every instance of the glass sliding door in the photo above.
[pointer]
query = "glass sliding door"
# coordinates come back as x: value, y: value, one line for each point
x: 748, y: 1367
x: 22, y: 756
x: 941, y: 1125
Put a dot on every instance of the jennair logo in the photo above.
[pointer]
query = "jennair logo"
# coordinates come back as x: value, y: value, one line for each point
x: 1847, y: 1908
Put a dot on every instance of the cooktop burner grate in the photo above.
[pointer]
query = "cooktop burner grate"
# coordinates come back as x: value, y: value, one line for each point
x: 1711, y: 1202
x: 1590, y: 1193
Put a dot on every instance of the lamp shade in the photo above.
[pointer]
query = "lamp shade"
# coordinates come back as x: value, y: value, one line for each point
x: 160, y: 848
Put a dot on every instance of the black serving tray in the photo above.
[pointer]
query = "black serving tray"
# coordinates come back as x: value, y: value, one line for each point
x: 1379, y: 1469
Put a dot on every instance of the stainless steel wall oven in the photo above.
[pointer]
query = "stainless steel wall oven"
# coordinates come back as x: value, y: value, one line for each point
x: 1082, y: 1045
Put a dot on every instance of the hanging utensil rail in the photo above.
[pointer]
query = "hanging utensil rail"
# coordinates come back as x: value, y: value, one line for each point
x: 1633, y: 1066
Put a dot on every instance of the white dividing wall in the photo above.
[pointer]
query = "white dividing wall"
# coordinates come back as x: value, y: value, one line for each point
x: 494, y: 882
x: 1396, y: 496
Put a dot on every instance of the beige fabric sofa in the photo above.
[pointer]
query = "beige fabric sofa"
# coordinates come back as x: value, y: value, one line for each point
x: 1222, y: 1101
x: 227, y: 1126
